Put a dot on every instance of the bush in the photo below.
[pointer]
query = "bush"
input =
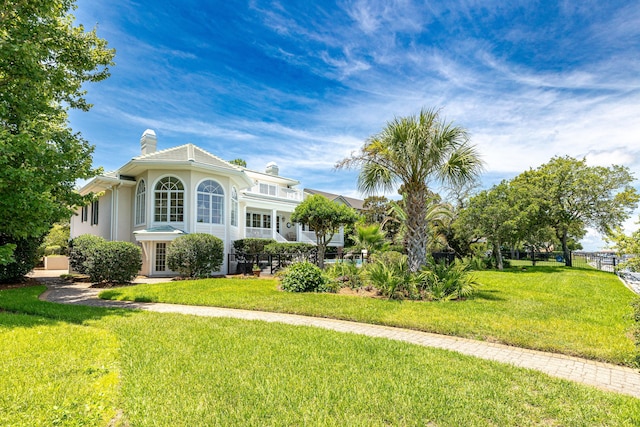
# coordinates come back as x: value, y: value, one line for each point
x: 393, y: 279
x: 80, y: 249
x: 58, y: 237
x: 115, y: 262
x: 251, y: 245
x: 195, y: 255
x: 345, y: 273
x: 442, y: 281
x: 304, y: 277
x: 25, y: 257
x: 636, y: 327
x: 292, y: 248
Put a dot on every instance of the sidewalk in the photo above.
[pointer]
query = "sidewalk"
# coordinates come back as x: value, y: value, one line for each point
x: 602, y: 375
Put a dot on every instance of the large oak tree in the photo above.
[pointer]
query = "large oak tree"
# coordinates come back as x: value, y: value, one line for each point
x: 569, y: 196
x: 45, y: 58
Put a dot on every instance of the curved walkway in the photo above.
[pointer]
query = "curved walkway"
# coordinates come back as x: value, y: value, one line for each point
x: 602, y: 375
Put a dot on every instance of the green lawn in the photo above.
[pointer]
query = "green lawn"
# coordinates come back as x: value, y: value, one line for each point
x: 581, y: 312
x: 151, y: 369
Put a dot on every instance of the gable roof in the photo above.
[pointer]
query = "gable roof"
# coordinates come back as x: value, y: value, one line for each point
x: 349, y: 201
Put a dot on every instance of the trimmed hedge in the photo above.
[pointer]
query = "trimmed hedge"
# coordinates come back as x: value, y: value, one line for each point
x: 251, y: 245
x: 80, y: 249
x: 290, y: 248
x: 114, y: 262
x: 195, y: 255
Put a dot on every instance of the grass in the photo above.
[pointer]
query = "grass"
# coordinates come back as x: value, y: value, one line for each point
x: 580, y: 312
x: 166, y: 369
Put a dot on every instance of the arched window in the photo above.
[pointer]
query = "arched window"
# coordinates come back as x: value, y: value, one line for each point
x: 169, y: 200
x: 141, y: 202
x: 234, y: 206
x: 210, y: 203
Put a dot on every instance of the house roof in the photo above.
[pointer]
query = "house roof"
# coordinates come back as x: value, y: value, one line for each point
x: 187, y: 153
x: 349, y: 201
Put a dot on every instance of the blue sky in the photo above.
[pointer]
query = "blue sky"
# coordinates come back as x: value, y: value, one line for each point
x: 305, y: 83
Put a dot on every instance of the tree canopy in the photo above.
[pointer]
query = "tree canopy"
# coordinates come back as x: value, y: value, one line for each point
x: 324, y: 217
x: 45, y: 58
x: 569, y: 196
x: 408, y: 155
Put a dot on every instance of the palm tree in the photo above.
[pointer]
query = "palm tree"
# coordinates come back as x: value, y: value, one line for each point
x: 410, y: 153
x: 370, y: 237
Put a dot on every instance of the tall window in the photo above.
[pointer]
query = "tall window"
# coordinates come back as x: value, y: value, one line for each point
x: 210, y: 202
x: 94, y: 212
x: 169, y: 200
x: 84, y: 217
x: 141, y: 202
x: 234, y: 206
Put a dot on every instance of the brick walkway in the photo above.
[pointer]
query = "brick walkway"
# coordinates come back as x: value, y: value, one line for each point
x: 602, y: 375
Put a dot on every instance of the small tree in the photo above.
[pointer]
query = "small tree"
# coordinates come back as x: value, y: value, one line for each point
x: 195, y: 255
x: 325, y: 217
x: 238, y: 162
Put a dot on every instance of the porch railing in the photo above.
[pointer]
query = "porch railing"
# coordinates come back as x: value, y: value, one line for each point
x: 276, y: 191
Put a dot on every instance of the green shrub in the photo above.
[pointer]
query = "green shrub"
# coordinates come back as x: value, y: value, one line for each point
x: 80, y: 249
x: 636, y: 327
x: 24, y: 258
x: 195, y: 255
x: 388, y: 257
x: 442, y: 281
x: 251, y: 245
x: 58, y: 236
x: 345, y: 273
x: 304, y: 277
x: 300, y: 249
x: 53, y: 250
x: 114, y: 262
x: 392, y: 278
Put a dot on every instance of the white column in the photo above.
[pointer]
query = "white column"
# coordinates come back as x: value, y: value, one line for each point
x: 274, y: 217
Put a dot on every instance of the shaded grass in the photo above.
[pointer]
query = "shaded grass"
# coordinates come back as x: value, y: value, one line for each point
x: 579, y: 312
x: 186, y: 370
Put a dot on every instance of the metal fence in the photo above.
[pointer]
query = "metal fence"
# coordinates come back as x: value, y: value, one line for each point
x: 605, y: 261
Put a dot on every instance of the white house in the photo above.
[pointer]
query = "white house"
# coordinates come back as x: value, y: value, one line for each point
x: 161, y: 195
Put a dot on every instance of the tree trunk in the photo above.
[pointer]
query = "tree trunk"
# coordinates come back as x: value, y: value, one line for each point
x: 322, y: 248
x: 416, y: 206
x: 565, y: 250
x: 498, y: 255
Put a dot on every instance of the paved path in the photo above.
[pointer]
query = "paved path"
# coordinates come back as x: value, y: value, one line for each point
x: 602, y: 375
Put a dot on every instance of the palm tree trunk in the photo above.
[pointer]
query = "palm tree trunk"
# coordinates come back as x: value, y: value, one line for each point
x: 416, y: 205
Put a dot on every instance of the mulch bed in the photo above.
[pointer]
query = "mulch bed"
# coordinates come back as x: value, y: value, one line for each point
x: 25, y: 282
